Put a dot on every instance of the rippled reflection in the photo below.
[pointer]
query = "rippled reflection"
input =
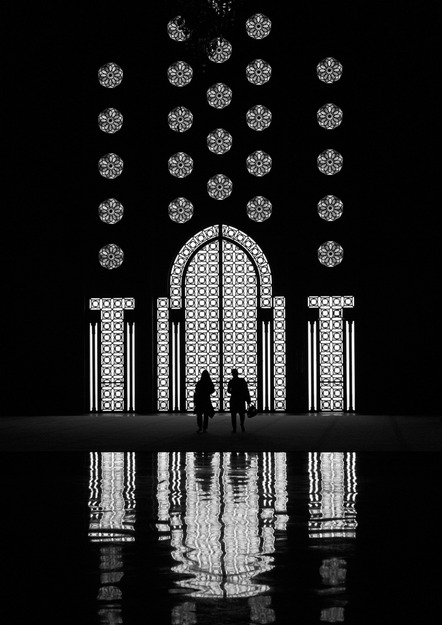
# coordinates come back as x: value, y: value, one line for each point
x: 221, y: 513
x: 332, y: 522
x: 111, y: 523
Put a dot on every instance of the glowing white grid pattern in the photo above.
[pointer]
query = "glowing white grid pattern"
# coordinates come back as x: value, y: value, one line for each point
x: 239, y: 312
x: 279, y: 353
x: 202, y: 324
x: 163, y: 355
x: 331, y: 348
x: 112, y: 348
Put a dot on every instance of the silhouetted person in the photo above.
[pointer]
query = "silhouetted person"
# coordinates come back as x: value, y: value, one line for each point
x: 203, y: 405
x: 239, y: 395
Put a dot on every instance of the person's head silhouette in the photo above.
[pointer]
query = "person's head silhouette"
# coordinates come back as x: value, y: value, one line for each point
x: 235, y: 373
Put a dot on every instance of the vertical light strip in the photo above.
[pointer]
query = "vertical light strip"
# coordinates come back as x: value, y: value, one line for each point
x: 268, y: 366
x: 128, y: 385
x: 279, y: 354
x: 347, y: 366
x: 353, y: 384
x: 264, y: 377
x: 96, y: 366
x: 309, y: 363
x: 173, y: 367
x: 133, y: 365
x: 178, y: 365
x: 163, y: 357
x: 91, y: 373
x: 315, y: 367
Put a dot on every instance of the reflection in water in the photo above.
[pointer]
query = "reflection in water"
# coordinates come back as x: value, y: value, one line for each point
x: 112, y: 518
x: 221, y: 513
x: 332, y: 507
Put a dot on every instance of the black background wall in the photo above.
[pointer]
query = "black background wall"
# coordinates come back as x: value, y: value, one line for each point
x: 51, y: 233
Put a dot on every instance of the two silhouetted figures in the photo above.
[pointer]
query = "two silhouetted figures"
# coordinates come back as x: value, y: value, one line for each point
x: 239, y: 397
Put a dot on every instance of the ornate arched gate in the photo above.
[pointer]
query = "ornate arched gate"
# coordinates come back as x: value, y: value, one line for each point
x: 221, y: 314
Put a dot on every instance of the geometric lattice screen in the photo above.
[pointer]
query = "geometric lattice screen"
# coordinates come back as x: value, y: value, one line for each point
x: 331, y: 355
x: 221, y: 284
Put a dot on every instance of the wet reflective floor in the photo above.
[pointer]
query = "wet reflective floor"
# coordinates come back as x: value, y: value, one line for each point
x: 221, y: 537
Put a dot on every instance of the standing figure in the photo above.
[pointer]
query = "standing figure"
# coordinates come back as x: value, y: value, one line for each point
x: 203, y: 405
x: 239, y: 395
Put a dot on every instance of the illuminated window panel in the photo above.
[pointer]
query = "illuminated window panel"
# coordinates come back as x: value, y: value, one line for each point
x: 279, y: 353
x: 332, y: 495
x: 331, y: 366
x: 202, y: 323
x: 112, y: 371
x: 224, y: 524
x: 163, y: 355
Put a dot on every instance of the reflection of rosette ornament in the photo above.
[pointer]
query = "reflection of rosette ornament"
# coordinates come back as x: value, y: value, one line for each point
x: 329, y: 70
x: 259, y: 117
x: 219, y: 95
x: 219, y: 141
x: 110, y: 121
x: 176, y: 29
x: 259, y: 208
x: 219, y: 187
x: 111, y: 256
x: 179, y: 74
x: 180, y: 210
x: 110, y: 211
x: 258, y: 26
x: 110, y: 75
x: 330, y: 254
x: 180, y: 165
x: 219, y: 50
x: 329, y: 116
x: 258, y: 72
x: 330, y: 162
x: 330, y: 208
x: 110, y: 166
x: 259, y: 163
x: 180, y: 119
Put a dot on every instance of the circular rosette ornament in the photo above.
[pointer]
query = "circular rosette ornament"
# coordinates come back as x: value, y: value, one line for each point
x: 177, y: 30
x: 330, y: 162
x: 259, y: 208
x: 259, y: 117
x: 110, y: 166
x: 110, y: 75
x: 330, y: 254
x: 259, y: 163
x: 180, y: 119
x: 180, y: 74
x: 219, y: 187
x: 111, y: 256
x: 219, y: 141
x: 330, y: 208
x: 258, y: 72
x: 329, y: 116
x: 329, y: 70
x: 180, y: 210
x: 219, y: 50
x: 219, y: 95
x: 110, y: 211
x: 258, y: 26
x: 110, y: 121
x: 180, y: 165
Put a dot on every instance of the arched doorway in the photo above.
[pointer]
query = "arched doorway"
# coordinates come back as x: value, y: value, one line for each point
x: 220, y: 314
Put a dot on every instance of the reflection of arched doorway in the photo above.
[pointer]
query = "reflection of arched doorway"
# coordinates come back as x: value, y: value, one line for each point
x: 221, y: 314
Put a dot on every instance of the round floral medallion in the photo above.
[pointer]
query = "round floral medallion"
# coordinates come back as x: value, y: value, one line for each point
x: 219, y: 95
x: 219, y: 141
x: 110, y: 166
x: 329, y: 70
x: 259, y: 208
x: 180, y: 210
x: 330, y: 254
x: 258, y: 72
x: 180, y: 119
x: 180, y: 74
x: 110, y: 121
x: 259, y: 163
x: 110, y: 75
x: 330, y: 162
x: 180, y: 165
x: 258, y: 26
x: 330, y: 208
x: 111, y: 256
x: 110, y: 211
x: 219, y: 187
